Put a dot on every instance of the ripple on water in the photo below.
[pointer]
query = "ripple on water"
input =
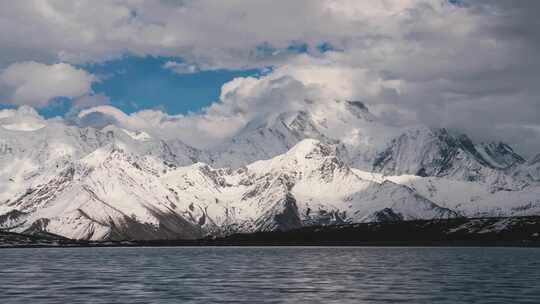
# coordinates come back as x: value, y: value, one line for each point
x: 270, y: 275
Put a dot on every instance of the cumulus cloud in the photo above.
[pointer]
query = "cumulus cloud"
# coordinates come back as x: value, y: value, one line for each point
x: 35, y: 84
x: 199, y: 130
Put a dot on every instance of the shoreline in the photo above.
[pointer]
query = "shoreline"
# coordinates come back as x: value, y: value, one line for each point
x: 461, y: 232
x: 397, y: 244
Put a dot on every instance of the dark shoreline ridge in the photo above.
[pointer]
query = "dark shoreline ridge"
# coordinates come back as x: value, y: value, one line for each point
x: 504, y: 231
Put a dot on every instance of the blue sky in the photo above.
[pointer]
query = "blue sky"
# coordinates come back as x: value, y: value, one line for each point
x: 136, y: 83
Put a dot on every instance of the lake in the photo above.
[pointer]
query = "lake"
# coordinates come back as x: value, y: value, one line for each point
x: 270, y: 275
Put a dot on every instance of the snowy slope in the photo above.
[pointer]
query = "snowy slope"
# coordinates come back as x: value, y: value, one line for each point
x: 114, y: 194
x: 469, y: 199
x: 106, y: 193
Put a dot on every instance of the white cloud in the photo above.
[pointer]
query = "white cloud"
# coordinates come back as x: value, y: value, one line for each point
x: 181, y: 67
x: 471, y: 66
x: 210, y: 33
x: 35, y: 84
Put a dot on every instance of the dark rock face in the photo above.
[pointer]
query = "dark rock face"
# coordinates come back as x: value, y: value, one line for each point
x: 324, y: 217
x: 170, y: 227
x: 448, y: 232
x: 503, y: 155
x: 38, y: 226
x: 387, y: 215
x: 282, y: 216
x: 289, y: 218
x: 7, y: 219
x: 41, y: 239
x: 358, y: 104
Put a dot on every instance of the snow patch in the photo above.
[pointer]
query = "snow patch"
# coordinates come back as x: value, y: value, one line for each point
x: 138, y: 135
x: 23, y: 126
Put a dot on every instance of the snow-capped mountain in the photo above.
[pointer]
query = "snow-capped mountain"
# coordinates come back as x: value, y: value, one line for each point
x: 367, y: 143
x: 112, y: 193
x: 335, y: 163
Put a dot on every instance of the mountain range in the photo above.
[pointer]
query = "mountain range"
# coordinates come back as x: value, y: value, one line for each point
x: 317, y: 166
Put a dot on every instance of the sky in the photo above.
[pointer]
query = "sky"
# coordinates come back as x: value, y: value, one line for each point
x: 202, y: 69
x: 133, y: 83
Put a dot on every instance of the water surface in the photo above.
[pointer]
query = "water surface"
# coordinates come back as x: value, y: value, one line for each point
x: 270, y: 275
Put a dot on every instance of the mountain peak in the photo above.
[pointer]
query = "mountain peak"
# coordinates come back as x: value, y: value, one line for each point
x: 499, y: 154
x: 360, y: 110
x: 312, y: 148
